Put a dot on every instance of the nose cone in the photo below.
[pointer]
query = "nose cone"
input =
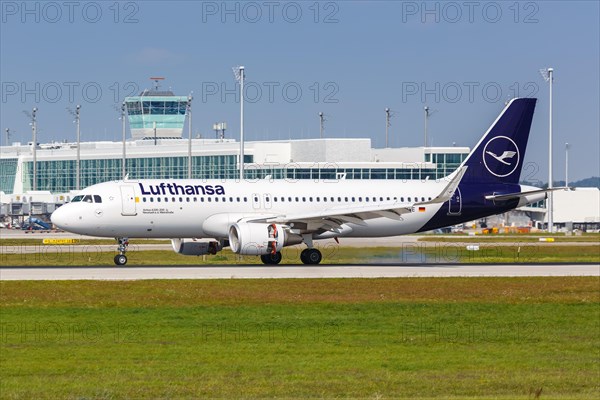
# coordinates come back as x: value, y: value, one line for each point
x: 60, y: 218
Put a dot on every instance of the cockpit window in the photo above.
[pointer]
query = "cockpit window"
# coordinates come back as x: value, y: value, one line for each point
x: 88, y: 198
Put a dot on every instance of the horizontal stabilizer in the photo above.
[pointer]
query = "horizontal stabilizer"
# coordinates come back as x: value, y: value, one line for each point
x: 518, y: 195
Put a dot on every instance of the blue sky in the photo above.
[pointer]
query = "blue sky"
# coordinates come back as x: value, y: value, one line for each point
x: 348, y: 59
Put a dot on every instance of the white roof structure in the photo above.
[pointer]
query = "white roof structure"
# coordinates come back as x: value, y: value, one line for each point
x: 581, y: 205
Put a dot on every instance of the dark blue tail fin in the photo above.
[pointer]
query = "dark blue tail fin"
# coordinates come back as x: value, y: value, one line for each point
x: 498, y: 157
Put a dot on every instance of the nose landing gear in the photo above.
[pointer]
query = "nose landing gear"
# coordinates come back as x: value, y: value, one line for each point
x: 121, y: 258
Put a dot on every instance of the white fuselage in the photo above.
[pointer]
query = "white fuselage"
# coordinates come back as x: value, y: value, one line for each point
x: 206, y: 209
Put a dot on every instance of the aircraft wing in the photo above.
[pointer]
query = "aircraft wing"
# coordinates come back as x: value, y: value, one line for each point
x: 333, y: 217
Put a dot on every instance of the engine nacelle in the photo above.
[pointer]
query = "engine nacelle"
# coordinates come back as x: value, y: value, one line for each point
x: 258, y: 239
x: 189, y: 247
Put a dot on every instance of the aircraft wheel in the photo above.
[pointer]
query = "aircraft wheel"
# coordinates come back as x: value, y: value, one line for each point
x: 303, y: 256
x: 120, y: 259
x: 271, y: 259
x: 311, y: 256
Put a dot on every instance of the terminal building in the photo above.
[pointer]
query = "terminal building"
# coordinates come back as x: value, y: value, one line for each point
x: 157, y: 149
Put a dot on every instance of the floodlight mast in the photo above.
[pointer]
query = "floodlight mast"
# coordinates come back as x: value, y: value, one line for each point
x: 426, y: 119
x: 8, y: 136
x: 388, y: 115
x: 321, y: 124
x: 123, y: 114
x: 33, y: 124
x: 78, y: 138
x: 548, y: 75
x: 78, y: 169
x: 123, y: 128
x: 189, y: 110
x: 567, y: 145
x: 240, y: 76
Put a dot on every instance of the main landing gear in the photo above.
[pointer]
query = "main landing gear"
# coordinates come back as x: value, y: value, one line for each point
x: 311, y: 256
x: 121, y: 258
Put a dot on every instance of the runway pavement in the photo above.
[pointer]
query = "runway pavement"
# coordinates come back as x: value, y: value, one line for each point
x: 278, y: 272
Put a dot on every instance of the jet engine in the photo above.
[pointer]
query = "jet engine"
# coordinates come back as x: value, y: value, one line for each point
x: 189, y: 247
x: 258, y: 239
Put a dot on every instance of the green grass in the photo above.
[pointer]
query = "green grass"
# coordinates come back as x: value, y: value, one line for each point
x: 502, y: 238
x: 541, y: 253
x: 485, y: 338
x: 332, y: 254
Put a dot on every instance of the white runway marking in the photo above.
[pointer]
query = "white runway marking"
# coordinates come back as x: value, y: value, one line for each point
x: 279, y: 272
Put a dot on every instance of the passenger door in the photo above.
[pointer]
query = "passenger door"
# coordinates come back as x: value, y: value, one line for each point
x: 455, y: 203
x: 128, y: 200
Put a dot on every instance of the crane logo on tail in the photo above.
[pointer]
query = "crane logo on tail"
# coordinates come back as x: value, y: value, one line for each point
x: 506, y: 154
x: 501, y: 156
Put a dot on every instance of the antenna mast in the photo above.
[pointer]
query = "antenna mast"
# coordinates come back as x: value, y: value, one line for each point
x: 156, y: 80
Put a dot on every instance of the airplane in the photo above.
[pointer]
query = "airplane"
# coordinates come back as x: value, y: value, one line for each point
x: 262, y: 217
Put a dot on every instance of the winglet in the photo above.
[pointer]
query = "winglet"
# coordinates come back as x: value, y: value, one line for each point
x: 450, y: 188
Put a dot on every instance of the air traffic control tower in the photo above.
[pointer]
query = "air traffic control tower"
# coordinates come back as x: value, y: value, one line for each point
x: 156, y: 114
